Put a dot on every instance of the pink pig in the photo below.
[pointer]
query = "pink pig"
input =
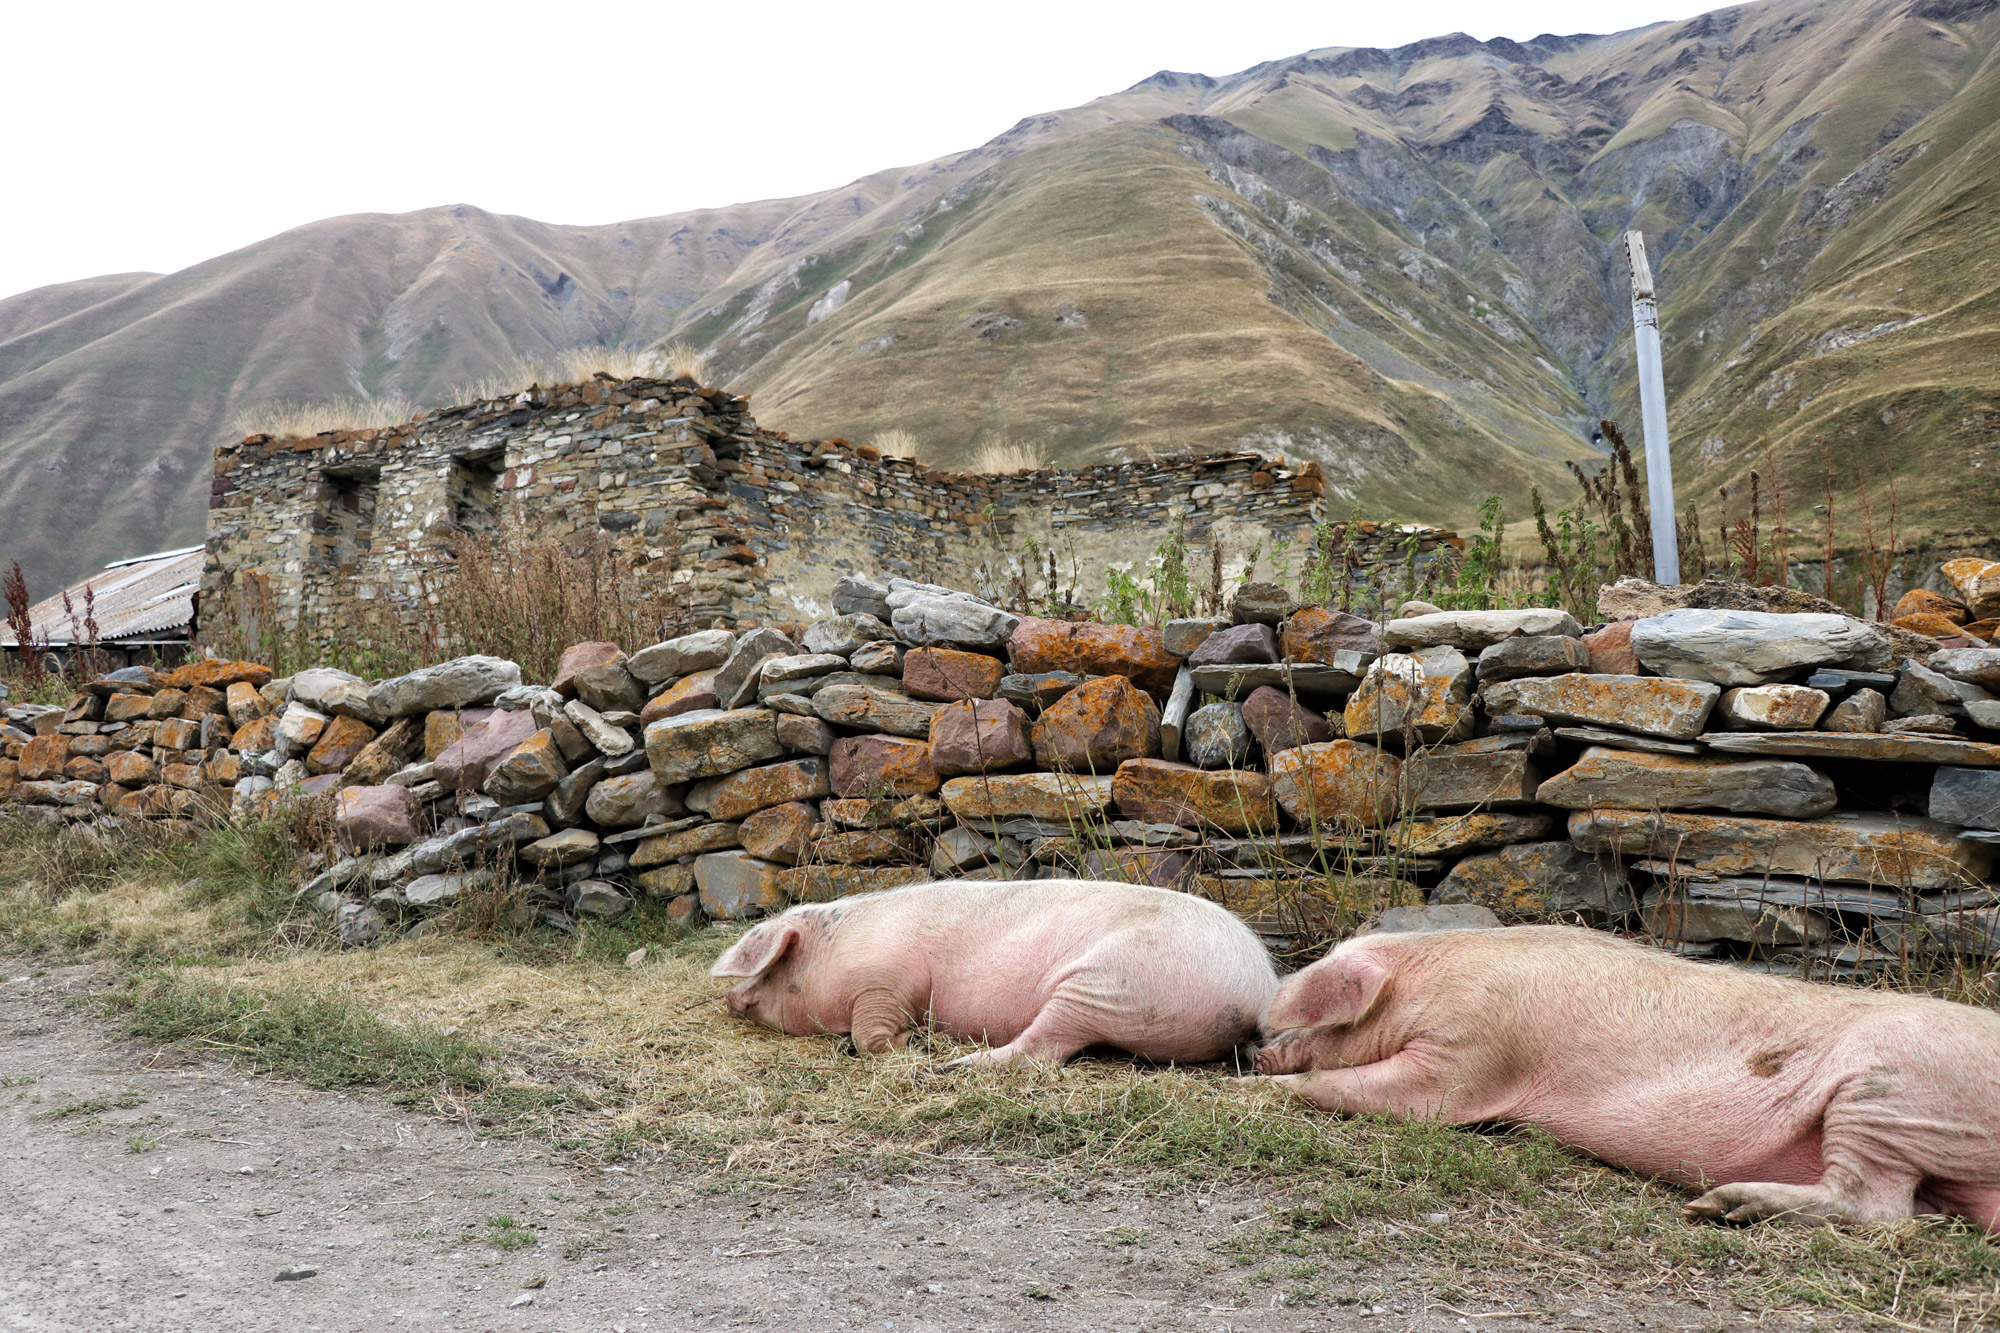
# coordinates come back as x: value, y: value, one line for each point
x: 1780, y: 1098
x: 1039, y: 968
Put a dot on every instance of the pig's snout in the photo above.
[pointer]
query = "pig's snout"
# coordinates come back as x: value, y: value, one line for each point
x: 738, y: 1002
x: 1281, y: 1053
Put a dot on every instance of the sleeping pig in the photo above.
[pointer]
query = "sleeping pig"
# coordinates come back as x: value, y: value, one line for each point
x: 1039, y: 969
x: 1777, y: 1097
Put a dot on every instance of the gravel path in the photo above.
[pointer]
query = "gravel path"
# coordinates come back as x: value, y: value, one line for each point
x: 179, y: 1191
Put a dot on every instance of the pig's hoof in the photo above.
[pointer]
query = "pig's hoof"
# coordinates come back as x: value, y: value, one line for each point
x: 1748, y: 1202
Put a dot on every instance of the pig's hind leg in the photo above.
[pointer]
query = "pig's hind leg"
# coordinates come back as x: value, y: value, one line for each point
x: 1052, y: 1038
x: 1866, y: 1172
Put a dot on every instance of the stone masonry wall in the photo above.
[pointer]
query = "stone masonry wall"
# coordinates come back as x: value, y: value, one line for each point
x: 744, y: 525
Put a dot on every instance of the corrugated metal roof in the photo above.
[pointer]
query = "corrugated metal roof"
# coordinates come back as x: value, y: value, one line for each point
x: 145, y: 596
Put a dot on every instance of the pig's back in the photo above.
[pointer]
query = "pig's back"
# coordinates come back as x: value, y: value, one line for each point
x: 1151, y: 962
x: 1611, y: 1044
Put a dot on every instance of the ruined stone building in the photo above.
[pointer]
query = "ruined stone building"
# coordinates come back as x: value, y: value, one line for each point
x: 737, y: 523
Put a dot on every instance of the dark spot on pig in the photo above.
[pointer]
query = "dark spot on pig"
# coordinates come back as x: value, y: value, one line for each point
x: 794, y: 988
x: 1764, y: 1064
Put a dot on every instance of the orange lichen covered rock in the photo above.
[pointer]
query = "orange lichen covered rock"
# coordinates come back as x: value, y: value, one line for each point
x: 1924, y: 602
x: 1160, y: 792
x: 216, y: 675
x: 1098, y: 726
x: 1337, y: 782
x: 877, y: 765
x: 683, y: 696
x: 948, y: 675
x: 338, y: 743
x: 1315, y: 634
x: 1140, y: 655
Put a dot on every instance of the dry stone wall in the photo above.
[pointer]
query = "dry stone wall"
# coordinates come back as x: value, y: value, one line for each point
x: 1793, y: 791
x: 731, y: 522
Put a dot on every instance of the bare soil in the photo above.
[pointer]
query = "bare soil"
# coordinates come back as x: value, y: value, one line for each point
x: 147, y: 1188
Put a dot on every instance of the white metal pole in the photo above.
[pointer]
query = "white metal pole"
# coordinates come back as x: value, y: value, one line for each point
x: 1653, y: 412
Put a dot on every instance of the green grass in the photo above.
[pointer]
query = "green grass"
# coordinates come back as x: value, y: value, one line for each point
x: 321, y: 1041
x: 504, y: 1233
x: 94, y: 1106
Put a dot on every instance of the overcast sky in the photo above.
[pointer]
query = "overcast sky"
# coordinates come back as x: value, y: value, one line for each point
x: 152, y: 136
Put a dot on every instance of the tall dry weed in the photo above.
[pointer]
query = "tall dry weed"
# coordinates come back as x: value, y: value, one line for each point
x: 295, y: 419
x: 1006, y: 454
x: 898, y: 443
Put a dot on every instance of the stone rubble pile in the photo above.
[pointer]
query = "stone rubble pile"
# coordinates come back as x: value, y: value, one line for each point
x: 1792, y: 789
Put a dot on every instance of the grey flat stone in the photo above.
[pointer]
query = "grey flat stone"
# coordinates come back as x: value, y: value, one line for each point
x: 1752, y: 647
x: 1619, y: 740
x: 1888, y: 747
x: 1307, y: 678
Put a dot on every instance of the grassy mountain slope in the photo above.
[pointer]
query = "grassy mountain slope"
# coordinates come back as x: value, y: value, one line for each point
x: 1403, y: 264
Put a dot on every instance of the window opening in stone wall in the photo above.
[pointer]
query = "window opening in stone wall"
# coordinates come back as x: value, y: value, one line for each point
x: 475, y: 491
x: 345, y: 525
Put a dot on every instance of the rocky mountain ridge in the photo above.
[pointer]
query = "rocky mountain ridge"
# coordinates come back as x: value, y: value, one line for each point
x: 1400, y: 264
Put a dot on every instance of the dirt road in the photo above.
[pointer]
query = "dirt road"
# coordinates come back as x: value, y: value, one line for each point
x: 148, y: 1189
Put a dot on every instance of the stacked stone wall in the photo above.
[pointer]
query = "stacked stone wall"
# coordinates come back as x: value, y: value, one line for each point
x: 735, y: 524
x: 1794, y: 791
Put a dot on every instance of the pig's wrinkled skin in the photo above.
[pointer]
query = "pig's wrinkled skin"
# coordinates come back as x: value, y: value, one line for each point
x: 1039, y: 969
x: 1781, y: 1098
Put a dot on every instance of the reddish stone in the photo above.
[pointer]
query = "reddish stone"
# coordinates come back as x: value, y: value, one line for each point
x: 578, y: 656
x: 877, y: 765
x: 341, y: 740
x: 1237, y: 644
x: 1315, y: 634
x: 1160, y: 792
x: 443, y: 727
x: 42, y: 758
x: 467, y: 762
x: 782, y: 833
x: 862, y: 847
x: 395, y: 747
x: 751, y: 789
x: 185, y: 776
x: 683, y: 696
x: 1611, y: 650
x: 946, y: 674
x: 167, y: 703
x: 127, y: 707
x: 256, y: 735
x: 217, y: 675
x: 201, y: 700
x: 176, y: 733
x: 1280, y: 722
x: 131, y: 768
x: 1098, y: 726
x: 979, y: 736
x: 84, y: 769
x: 1093, y: 650
x: 1337, y: 783
x: 528, y: 772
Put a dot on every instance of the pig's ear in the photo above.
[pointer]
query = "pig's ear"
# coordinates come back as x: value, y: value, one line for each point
x: 1343, y: 990
x: 756, y: 952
